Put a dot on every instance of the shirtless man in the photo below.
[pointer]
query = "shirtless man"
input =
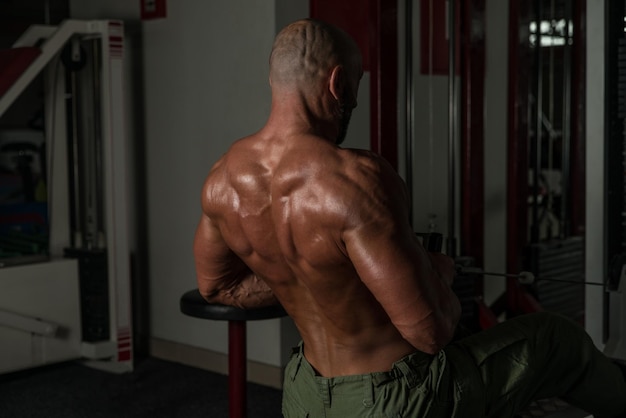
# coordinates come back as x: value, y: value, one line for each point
x: 290, y: 217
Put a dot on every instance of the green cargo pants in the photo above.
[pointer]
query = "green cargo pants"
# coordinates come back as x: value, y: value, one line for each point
x: 494, y: 373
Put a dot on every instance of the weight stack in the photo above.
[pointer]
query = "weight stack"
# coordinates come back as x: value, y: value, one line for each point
x: 562, y: 259
x: 465, y: 288
x: 94, y: 293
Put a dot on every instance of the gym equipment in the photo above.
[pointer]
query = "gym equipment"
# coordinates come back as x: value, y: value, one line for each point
x: 615, y: 179
x: 193, y: 304
x: 524, y: 277
x: 527, y: 277
x: 616, y: 343
x: 90, y: 240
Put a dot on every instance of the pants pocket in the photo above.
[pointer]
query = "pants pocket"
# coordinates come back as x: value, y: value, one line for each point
x: 291, y: 408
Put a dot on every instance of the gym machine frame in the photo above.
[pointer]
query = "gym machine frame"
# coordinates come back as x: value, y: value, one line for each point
x: 113, y: 352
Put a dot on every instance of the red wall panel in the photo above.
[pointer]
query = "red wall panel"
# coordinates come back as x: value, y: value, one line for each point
x: 351, y: 16
x: 373, y: 25
x: 434, y: 37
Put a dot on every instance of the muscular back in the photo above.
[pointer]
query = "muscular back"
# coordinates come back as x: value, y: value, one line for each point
x: 319, y: 226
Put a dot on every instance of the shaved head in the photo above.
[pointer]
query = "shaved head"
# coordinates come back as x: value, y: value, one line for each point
x: 307, y: 49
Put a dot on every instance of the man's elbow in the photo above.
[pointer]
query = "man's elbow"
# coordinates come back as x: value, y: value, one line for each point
x: 435, y: 343
x: 433, y: 337
x: 210, y: 293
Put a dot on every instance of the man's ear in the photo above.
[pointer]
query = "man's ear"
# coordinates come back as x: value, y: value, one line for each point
x: 337, y: 82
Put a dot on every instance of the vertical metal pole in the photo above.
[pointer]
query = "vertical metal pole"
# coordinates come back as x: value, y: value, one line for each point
x: 451, y: 243
x: 534, y: 229
x: 410, y: 99
x: 566, y: 124
x: 99, y: 222
x: 75, y: 169
x: 94, y: 166
x: 237, y: 370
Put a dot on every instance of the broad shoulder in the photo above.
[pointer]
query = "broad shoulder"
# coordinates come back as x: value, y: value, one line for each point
x: 311, y: 171
x: 354, y: 184
x: 227, y: 174
x: 381, y: 194
x: 371, y: 167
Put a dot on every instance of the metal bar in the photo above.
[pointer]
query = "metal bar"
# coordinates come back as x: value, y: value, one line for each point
x: 383, y: 55
x: 452, y: 108
x: 99, y: 223
x: 410, y: 100
x: 117, y: 179
x: 472, y: 133
x: 48, y: 51
x: 237, y: 369
x: 94, y: 169
x: 566, y: 125
x: 534, y: 228
x: 74, y: 168
x: 33, y: 34
x: 548, y: 121
x: 518, y: 129
x: 27, y: 324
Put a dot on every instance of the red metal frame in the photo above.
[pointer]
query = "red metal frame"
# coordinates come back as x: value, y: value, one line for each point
x: 384, y: 79
x: 237, y: 370
x: 578, y: 112
x: 439, y: 42
x: 472, y: 71
x: 472, y: 130
x: 518, y: 300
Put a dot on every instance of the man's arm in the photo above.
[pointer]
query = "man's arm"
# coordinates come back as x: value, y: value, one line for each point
x: 412, y: 285
x: 222, y: 276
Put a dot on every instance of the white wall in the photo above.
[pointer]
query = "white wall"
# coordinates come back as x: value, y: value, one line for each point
x: 206, y: 84
x: 495, y: 152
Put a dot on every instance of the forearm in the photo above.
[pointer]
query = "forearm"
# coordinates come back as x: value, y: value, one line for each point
x: 249, y: 292
x: 222, y: 276
x: 434, y: 324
